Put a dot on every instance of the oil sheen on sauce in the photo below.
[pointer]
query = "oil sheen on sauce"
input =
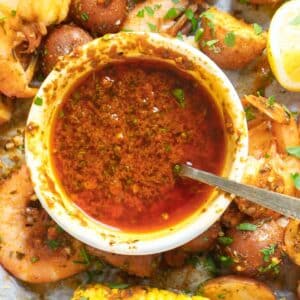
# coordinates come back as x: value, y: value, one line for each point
x: 120, y: 135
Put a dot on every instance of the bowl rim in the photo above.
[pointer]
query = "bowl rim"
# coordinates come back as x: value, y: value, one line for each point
x: 134, y: 243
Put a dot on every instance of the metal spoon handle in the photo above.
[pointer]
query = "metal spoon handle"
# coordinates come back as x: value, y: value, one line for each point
x: 285, y: 205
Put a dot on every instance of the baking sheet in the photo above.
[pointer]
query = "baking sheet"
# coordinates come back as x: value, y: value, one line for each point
x: 244, y: 81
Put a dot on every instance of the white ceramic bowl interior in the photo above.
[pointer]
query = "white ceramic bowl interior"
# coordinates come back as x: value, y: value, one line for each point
x: 99, y: 52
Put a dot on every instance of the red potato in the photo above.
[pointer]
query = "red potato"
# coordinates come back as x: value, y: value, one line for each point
x: 61, y: 41
x: 292, y: 241
x: 257, y: 251
x: 236, y: 288
x: 99, y: 16
x: 230, y: 42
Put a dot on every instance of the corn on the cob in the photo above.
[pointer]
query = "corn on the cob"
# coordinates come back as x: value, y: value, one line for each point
x: 102, y: 292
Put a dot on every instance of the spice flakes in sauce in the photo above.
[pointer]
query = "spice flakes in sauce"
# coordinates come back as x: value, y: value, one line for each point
x: 120, y: 135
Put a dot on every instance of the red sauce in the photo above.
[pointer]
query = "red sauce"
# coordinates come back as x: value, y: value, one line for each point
x: 119, y: 136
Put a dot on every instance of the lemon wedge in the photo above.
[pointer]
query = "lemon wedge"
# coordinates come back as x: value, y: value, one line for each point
x: 284, y: 45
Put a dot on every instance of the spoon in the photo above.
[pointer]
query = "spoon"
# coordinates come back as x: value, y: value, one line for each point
x: 285, y: 205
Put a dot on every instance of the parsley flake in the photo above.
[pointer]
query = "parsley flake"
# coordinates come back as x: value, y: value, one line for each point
x: 171, y: 14
x: 229, y: 39
x: 152, y: 27
x: 38, y: 101
x: 140, y: 13
x: 246, y: 227
x: 268, y: 252
x: 225, y: 240
x: 296, y: 179
x: 294, y: 151
x: 149, y: 10
x: 179, y: 95
x: 257, y: 29
x: 84, y: 16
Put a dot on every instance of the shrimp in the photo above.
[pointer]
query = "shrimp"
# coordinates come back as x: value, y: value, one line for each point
x: 33, y: 247
x: 22, y: 26
x: 272, y: 129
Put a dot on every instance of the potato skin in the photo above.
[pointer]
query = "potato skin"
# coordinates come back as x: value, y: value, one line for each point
x: 61, y: 41
x: 236, y: 288
x: 99, y: 17
x: 246, y: 248
x: 246, y: 47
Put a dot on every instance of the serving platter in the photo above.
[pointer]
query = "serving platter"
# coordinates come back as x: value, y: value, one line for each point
x: 245, y: 82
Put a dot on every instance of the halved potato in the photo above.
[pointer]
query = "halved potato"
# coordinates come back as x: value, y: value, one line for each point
x: 292, y: 241
x: 236, y: 288
x: 230, y: 42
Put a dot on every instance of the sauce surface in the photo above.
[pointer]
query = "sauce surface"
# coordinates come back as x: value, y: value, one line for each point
x: 120, y: 135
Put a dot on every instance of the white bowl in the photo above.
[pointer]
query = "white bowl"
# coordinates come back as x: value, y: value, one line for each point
x: 94, y: 55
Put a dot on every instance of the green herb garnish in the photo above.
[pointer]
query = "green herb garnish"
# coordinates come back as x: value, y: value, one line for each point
x: 257, y: 29
x: 296, y: 179
x: 229, y: 39
x: 84, y: 16
x: 294, y: 151
x: 179, y: 95
x: 249, y: 114
x: 152, y: 27
x: 149, y: 10
x: 172, y: 13
x: 199, y: 34
x: 268, y: 252
x: 246, y: 227
x: 225, y: 240
x: 140, y: 13
x: 38, y: 101
x: 53, y: 244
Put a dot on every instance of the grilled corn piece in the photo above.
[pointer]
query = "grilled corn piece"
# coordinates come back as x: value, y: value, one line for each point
x: 102, y: 292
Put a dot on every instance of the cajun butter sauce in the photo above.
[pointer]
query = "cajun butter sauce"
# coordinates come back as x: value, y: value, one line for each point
x: 120, y: 135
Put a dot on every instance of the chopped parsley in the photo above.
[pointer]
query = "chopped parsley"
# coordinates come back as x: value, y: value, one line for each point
x: 199, y: 33
x: 149, y: 10
x: 84, y: 16
x: 177, y: 169
x: 211, y: 43
x: 118, y: 285
x: 191, y: 17
x: 172, y: 13
x: 179, y: 95
x: 246, y: 227
x: 249, y: 114
x: 179, y: 36
x: 152, y: 27
x: 296, y: 180
x: 225, y: 260
x: 38, y: 101
x: 295, y: 21
x: 53, y: 244
x: 229, y: 39
x: 225, y: 240
x: 141, y: 13
x: 270, y: 101
x: 13, y: 12
x: 268, y: 252
x: 175, y: 1
x: 294, y: 151
x: 273, y: 266
x: 257, y: 29
x: 86, y: 258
